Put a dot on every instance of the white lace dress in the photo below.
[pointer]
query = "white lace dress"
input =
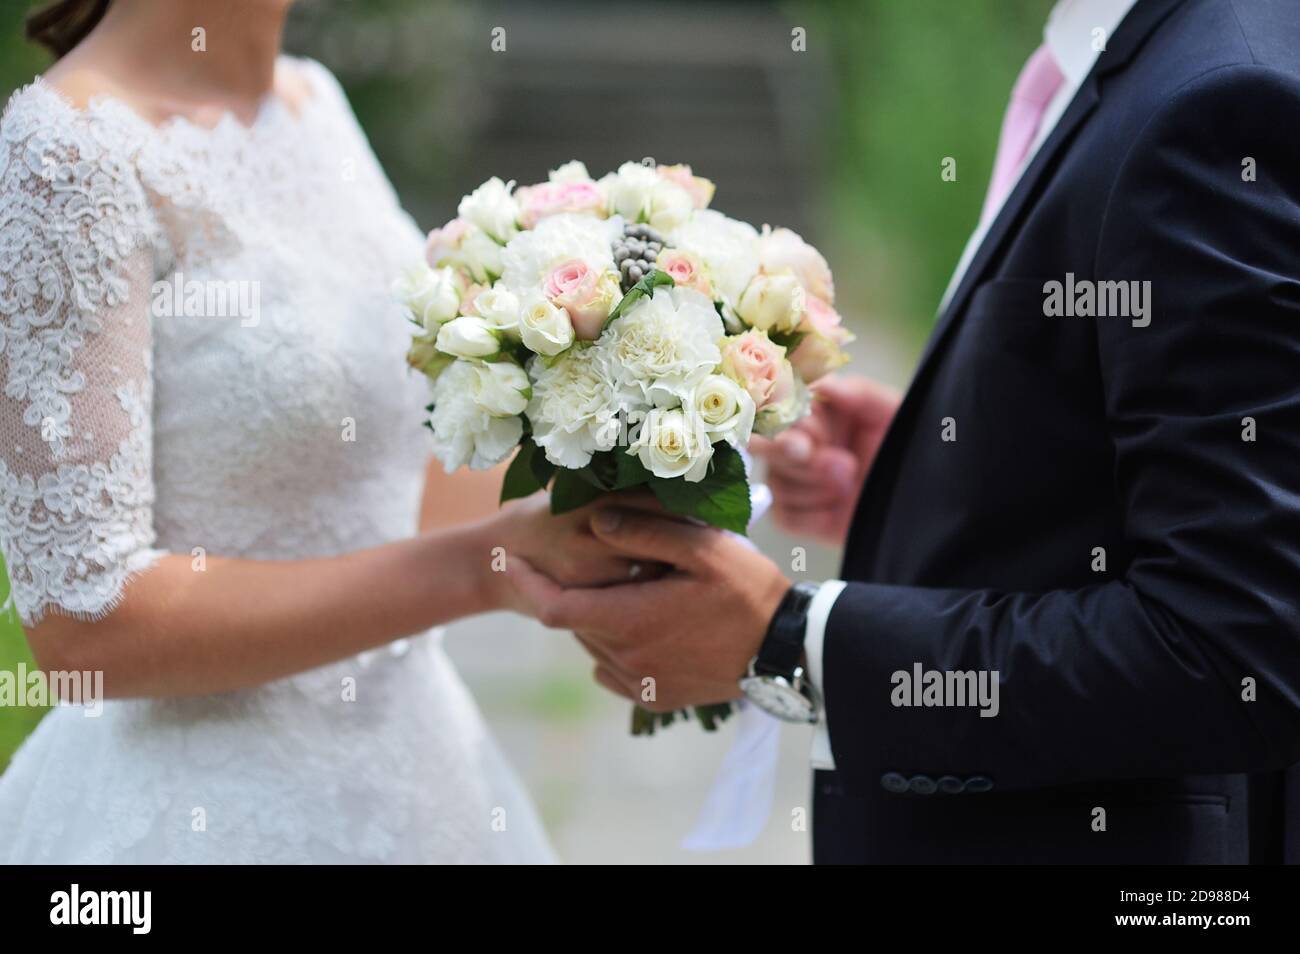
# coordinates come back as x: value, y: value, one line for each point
x: 287, y: 430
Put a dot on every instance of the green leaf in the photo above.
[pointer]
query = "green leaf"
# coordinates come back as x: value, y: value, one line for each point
x: 521, y: 478
x: 713, y: 714
x: 601, y: 473
x: 643, y: 721
x: 571, y: 490
x: 645, y: 286
x: 631, y: 472
x: 789, y: 340
x: 721, y: 499
x: 542, y: 468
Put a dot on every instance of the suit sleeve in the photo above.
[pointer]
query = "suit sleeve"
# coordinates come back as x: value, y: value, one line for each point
x: 1190, y: 662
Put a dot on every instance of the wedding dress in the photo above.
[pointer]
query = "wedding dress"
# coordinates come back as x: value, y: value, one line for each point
x: 130, y: 428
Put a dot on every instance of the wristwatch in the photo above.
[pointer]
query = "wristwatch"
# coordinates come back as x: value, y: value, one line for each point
x: 775, y: 681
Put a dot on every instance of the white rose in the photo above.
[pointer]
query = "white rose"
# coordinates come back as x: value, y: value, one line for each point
x: 628, y: 191
x: 463, y: 432
x: 573, y: 171
x: 724, y: 408
x: 468, y: 337
x: 777, y: 417
x: 670, y: 206
x: 664, y: 344
x: 671, y: 443
x: 430, y: 294
x: 728, y: 247
x: 575, y: 407
x: 501, y: 388
x: 492, y: 208
x: 773, y: 302
x: 479, y: 255
x: 544, y: 328
x: 499, y: 308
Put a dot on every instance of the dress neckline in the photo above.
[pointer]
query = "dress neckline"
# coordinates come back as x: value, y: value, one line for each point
x: 270, y: 110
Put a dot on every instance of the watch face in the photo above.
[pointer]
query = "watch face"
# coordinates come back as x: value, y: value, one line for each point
x: 777, y: 697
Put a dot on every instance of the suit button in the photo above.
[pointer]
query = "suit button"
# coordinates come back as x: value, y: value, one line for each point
x: 951, y: 785
x: 978, y: 783
x: 893, y: 782
x: 923, y: 785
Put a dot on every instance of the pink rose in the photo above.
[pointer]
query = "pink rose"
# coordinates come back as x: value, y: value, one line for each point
x: 586, y: 294
x: 552, y: 198
x: 444, y: 242
x: 823, y: 319
x: 781, y: 249
x: 685, y: 269
x: 821, y: 349
x: 758, y: 365
x: 697, y: 187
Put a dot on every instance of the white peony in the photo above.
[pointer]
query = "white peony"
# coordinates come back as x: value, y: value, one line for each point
x: 773, y: 302
x: 574, y: 409
x: 543, y: 327
x: 532, y: 255
x: 499, y: 308
x: 729, y: 248
x: 628, y: 191
x: 501, y: 388
x: 492, y: 208
x: 724, y: 408
x: 430, y: 293
x: 665, y: 344
x: 468, y: 336
x: 465, y: 433
x: 672, y: 443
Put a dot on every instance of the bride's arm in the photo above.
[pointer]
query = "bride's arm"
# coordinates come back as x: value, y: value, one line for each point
x: 240, y: 623
x: 452, y: 499
x: 77, y: 258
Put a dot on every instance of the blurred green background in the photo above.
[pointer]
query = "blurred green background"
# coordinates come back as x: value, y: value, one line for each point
x: 842, y: 140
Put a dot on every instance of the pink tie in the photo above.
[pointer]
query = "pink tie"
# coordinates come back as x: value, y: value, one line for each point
x: 1034, y: 89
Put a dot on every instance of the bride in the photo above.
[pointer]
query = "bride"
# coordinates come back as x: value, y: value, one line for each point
x: 218, y: 513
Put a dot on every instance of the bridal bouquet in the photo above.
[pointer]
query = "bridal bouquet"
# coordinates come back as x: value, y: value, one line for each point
x: 620, y: 334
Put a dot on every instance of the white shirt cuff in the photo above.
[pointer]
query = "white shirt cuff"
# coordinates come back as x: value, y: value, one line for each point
x: 819, y: 612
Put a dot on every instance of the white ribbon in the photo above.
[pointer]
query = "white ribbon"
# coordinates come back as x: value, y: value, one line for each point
x: 738, y: 805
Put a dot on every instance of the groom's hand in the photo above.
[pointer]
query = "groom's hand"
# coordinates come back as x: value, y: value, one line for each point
x: 684, y: 639
x: 816, y: 468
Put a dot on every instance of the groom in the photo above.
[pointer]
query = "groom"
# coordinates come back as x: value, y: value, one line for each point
x: 1069, y: 623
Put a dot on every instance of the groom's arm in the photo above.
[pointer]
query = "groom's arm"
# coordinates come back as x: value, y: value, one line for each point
x: 1148, y: 675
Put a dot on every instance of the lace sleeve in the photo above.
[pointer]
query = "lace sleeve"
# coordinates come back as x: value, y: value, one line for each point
x: 76, y: 270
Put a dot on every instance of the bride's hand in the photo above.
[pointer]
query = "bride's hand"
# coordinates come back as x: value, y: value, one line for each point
x: 562, y: 547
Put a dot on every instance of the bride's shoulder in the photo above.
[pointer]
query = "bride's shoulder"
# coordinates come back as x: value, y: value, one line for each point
x: 70, y: 112
x: 68, y: 161
x: 302, y: 79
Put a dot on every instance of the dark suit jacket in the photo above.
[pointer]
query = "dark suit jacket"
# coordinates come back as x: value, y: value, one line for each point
x: 1125, y: 689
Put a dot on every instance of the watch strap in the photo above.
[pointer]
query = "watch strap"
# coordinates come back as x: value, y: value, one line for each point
x: 782, y: 647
